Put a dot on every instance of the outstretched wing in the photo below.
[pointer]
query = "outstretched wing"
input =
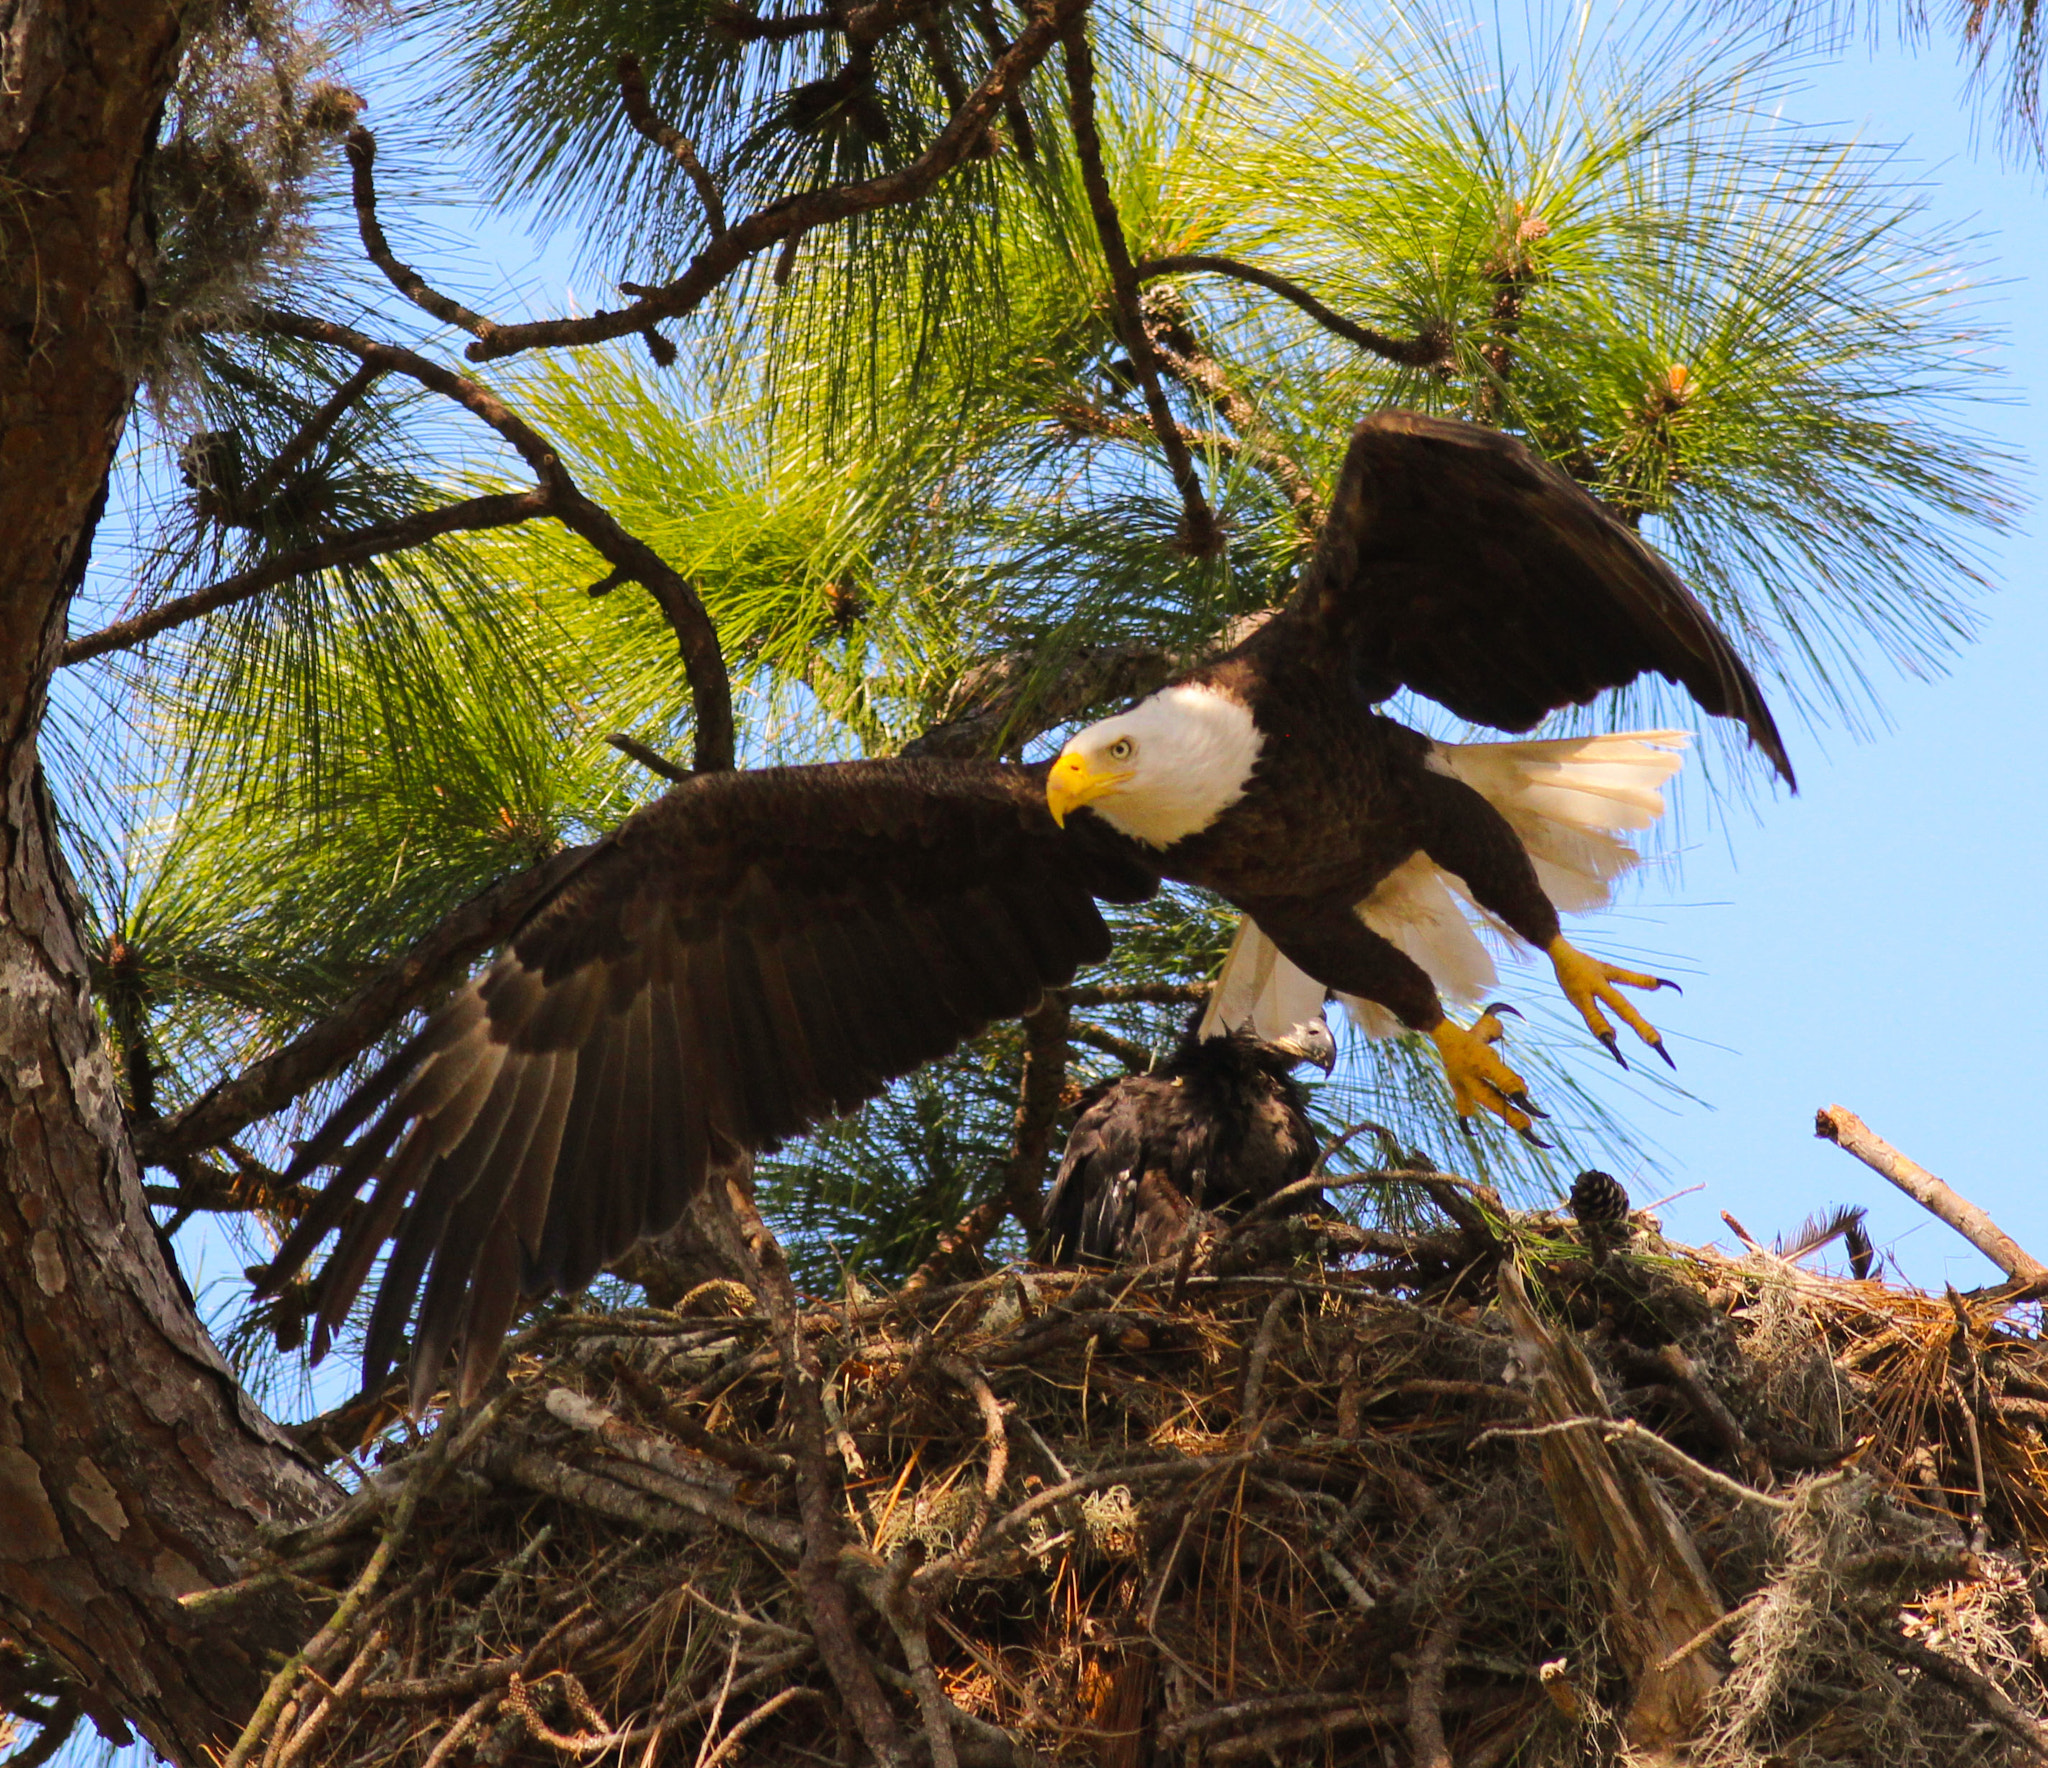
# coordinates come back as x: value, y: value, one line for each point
x: 750, y: 954
x: 1457, y: 563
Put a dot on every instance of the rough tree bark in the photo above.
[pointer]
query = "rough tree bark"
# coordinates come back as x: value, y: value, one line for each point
x: 132, y: 1468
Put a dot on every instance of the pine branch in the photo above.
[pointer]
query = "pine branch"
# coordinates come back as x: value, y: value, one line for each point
x: 407, y: 981
x: 1202, y: 374
x: 311, y: 434
x: 498, y: 510
x: 1430, y: 349
x: 794, y: 216
x: 1005, y: 702
x: 671, y: 140
x: 362, y: 156
x: 1201, y: 534
x: 1046, y: 1055
x: 742, y: 26
x: 1121, y: 994
x: 1023, y: 136
x: 1132, y: 1054
x: 696, y: 637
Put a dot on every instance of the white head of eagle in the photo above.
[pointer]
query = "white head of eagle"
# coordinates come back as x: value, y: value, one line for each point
x: 1164, y: 770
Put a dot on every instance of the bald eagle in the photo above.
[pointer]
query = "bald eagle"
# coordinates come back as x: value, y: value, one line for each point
x: 1221, y: 1125
x: 757, y: 951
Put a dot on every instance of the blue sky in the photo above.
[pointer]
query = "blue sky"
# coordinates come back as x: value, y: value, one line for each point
x: 1873, y: 942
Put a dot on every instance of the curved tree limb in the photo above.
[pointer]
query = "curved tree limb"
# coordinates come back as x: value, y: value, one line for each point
x: 362, y: 155
x: 671, y: 140
x: 696, y: 637
x: 1429, y: 350
x: 497, y: 510
x: 1201, y: 533
x: 770, y: 226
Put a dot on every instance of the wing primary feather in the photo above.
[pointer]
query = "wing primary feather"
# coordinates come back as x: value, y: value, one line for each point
x: 329, y: 1208
x: 529, y: 1189
x: 568, y: 1232
x: 402, y: 1068
x: 493, y: 1302
x: 1458, y: 563
x: 478, y: 1177
x: 445, y: 1163
x: 414, y: 1244
x: 474, y: 1230
x: 625, y: 1188
x: 840, y: 1054
x: 680, y: 1070
x: 346, y: 1270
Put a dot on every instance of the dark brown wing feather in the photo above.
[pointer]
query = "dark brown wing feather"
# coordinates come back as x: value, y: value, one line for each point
x: 1457, y: 563
x: 751, y: 954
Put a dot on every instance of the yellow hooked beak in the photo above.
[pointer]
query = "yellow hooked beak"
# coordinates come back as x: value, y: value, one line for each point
x: 1073, y: 783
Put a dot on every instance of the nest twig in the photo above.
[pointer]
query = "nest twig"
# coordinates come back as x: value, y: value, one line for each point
x: 1155, y: 1516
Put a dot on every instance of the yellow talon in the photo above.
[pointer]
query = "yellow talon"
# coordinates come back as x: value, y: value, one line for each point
x: 1587, y: 983
x: 1480, y: 1080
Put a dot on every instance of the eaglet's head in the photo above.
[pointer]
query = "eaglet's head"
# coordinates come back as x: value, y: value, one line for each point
x: 1164, y: 770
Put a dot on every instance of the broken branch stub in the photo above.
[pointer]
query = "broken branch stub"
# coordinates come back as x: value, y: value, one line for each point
x: 1851, y: 1134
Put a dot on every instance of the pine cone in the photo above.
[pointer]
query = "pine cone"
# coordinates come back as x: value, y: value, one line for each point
x: 1600, y: 1206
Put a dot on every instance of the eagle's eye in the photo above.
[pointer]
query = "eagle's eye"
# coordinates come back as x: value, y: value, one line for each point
x: 1121, y: 749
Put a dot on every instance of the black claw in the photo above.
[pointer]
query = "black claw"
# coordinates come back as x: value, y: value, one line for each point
x: 1528, y: 1104
x: 1613, y: 1047
x: 1500, y: 1007
x: 1666, y: 982
x: 1465, y: 1124
x: 1533, y: 1139
x: 1666, y: 1054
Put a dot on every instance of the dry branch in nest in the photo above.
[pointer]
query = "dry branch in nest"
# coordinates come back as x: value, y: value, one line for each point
x: 1467, y: 1497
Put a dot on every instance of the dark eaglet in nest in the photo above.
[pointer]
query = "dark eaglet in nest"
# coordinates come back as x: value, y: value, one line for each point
x: 757, y: 951
x: 1220, y: 1126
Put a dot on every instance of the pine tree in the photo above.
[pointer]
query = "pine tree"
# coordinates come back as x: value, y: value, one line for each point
x: 973, y: 368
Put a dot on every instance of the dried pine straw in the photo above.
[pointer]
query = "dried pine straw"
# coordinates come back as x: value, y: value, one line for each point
x: 1275, y: 1515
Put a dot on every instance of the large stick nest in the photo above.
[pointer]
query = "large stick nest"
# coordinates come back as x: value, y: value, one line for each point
x: 1163, y: 1516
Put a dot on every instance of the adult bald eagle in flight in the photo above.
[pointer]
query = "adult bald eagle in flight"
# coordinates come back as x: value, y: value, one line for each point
x: 1221, y: 1125
x: 757, y: 951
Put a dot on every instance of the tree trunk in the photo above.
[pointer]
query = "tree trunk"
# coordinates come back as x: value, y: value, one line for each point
x: 132, y: 1468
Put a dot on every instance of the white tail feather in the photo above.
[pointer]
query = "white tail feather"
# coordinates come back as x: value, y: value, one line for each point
x: 1565, y: 797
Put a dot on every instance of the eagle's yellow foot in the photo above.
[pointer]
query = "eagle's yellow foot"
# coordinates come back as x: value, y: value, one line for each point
x: 1480, y: 1080
x: 1587, y: 982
